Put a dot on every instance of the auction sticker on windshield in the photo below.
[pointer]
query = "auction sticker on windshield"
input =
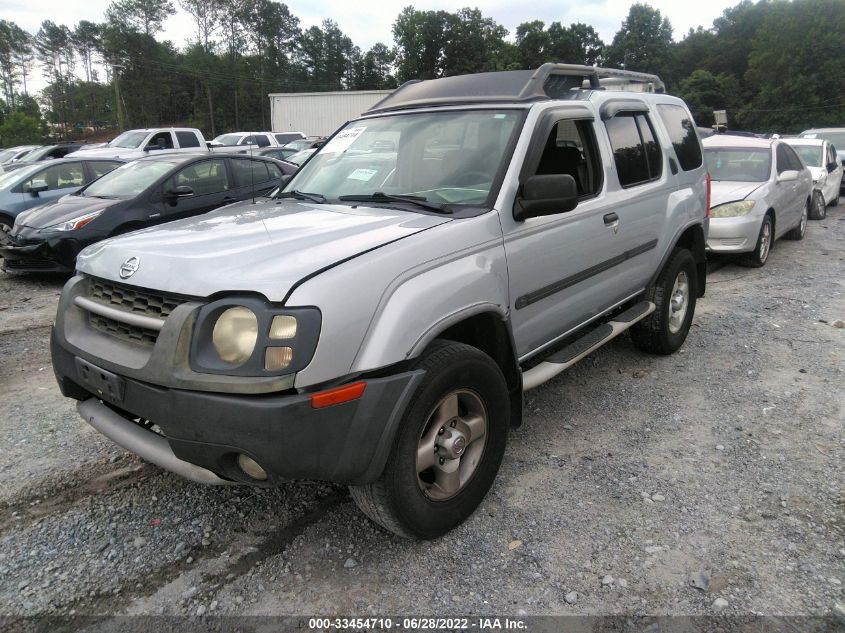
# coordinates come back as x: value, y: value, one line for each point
x: 362, y: 174
x: 342, y: 140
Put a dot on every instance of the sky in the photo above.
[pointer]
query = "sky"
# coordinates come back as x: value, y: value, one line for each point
x: 370, y: 21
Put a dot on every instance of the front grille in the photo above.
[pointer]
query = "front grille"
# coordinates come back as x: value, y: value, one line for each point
x: 30, y: 263
x: 124, y: 331
x: 144, y: 302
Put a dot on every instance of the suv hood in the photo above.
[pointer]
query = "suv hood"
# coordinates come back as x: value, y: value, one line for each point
x: 722, y: 191
x: 265, y: 247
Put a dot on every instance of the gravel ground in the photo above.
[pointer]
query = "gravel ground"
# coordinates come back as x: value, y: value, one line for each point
x: 709, y: 481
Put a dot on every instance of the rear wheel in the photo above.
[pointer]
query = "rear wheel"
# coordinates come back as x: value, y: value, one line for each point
x: 674, y: 295
x: 801, y: 228
x: 818, y: 210
x: 448, y: 449
x: 757, y: 258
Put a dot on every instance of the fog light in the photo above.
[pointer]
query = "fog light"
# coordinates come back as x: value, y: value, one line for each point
x: 251, y: 467
x: 276, y: 358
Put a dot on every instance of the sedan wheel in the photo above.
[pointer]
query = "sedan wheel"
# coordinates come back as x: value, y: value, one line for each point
x: 819, y: 209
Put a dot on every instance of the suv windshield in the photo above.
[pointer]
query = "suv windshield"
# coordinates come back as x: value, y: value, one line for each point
x: 228, y: 139
x: 129, y: 140
x: 836, y: 138
x: 738, y: 164
x: 810, y: 154
x: 440, y: 157
x: 127, y: 181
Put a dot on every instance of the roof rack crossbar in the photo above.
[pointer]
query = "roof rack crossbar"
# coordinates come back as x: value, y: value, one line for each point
x: 591, y: 74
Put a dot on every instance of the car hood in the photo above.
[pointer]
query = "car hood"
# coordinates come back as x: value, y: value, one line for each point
x: 264, y: 247
x: 722, y: 191
x: 64, y: 209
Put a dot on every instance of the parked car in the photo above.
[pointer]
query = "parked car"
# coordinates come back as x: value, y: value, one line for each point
x: 377, y: 322
x: 242, y: 142
x: 826, y: 169
x: 306, y: 143
x: 288, y: 168
x: 761, y: 192
x: 836, y: 136
x: 13, y: 154
x: 39, y: 183
x: 138, y: 143
x: 300, y: 157
x: 47, y: 152
x: 283, y: 138
x: 142, y: 193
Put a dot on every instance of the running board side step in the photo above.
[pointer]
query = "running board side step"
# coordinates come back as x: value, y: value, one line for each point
x: 590, y: 342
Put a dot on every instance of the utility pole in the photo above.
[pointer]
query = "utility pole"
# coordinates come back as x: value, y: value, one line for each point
x: 117, y: 98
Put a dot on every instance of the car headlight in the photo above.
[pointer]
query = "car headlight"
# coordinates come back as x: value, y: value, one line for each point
x: 75, y: 223
x: 251, y: 337
x: 732, y: 209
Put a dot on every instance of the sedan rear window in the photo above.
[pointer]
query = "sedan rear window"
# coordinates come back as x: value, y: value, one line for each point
x: 682, y: 132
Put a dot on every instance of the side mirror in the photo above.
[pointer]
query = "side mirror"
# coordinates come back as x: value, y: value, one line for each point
x: 182, y: 191
x: 789, y: 175
x: 36, y: 187
x: 546, y: 195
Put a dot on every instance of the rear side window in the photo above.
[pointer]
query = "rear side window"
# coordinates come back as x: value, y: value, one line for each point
x: 248, y: 172
x: 793, y: 160
x: 61, y: 176
x: 635, y: 151
x: 682, y: 132
x: 187, y: 139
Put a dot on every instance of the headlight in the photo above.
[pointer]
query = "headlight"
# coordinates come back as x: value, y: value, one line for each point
x: 76, y: 223
x: 732, y: 209
x: 250, y: 337
x: 235, y: 334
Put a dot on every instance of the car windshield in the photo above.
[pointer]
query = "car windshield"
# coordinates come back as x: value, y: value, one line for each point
x: 438, y: 157
x: 36, y: 154
x: 810, y: 154
x: 837, y: 138
x: 11, y: 178
x: 129, y: 140
x: 7, y: 154
x: 738, y: 164
x: 299, y: 145
x: 300, y: 157
x: 228, y: 139
x: 128, y: 180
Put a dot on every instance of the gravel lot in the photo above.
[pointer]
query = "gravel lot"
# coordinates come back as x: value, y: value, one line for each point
x: 637, y: 485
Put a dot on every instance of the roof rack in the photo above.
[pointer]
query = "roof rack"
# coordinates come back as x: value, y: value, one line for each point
x: 549, y: 81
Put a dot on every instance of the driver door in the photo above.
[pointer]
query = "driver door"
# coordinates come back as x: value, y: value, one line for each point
x: 210, y: 184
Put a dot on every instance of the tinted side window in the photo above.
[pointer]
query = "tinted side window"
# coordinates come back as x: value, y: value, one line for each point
x: 794, y: 161
x: 100, y: 167
x: 274, y: 171
x: 248, y: 172
x: 261, y: 140
x: 628, y: 151
x: 682, y: 133
x: 187, y: 139
x: 208, y: 176
x: 165, y: 137
x: 652, y: 149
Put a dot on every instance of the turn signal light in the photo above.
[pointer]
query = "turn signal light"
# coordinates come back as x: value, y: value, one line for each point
x: 339, y: 395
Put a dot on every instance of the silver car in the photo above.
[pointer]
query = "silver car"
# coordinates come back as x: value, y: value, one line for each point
x: 760, y: 191
x: 820, y: 157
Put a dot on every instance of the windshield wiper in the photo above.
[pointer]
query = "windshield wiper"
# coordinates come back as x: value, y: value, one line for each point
x: 380, y: 196
x: 302, y: 195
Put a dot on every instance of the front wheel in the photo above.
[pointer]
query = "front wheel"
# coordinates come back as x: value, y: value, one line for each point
x: 818, y: 211
x: 674, y: 294
x: 757, y: 258
x: 448, y: 448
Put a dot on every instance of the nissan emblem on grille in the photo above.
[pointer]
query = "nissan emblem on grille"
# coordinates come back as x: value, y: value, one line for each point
x: 129, y: 267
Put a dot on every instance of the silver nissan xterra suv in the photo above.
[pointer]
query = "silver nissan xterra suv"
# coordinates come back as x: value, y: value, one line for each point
x: 375, y: 322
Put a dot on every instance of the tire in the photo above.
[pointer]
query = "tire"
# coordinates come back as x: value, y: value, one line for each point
x: 410, y: 502
x: 6, y: 224
x: 818, y: 208
x: 665, y: 330
x: 800, y: 229
x: 765, y: 239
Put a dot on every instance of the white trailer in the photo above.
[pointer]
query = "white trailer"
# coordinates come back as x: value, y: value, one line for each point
x: 319, y: 113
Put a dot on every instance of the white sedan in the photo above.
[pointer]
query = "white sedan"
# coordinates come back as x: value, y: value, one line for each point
x: 820, y: 157
x: 760, y: 191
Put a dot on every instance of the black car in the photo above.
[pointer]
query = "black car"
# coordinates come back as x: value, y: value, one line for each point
x: 139, y: 194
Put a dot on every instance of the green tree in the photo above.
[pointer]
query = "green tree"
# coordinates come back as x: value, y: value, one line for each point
x: 15, y: 49
x: 704, y: 92
x: 20, y: 129
x: 146, y: 16
x: 532, y: 44
x: 644, y: 43
x: 420, y: 38
x: 206, y: 15
x: 473, y: 43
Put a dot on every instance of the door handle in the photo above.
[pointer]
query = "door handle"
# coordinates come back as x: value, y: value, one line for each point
x: 610, y: 218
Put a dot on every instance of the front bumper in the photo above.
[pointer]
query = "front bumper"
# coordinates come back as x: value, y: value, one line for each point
x: 39, y: 256
x: 345, y: 443
x: 733, y: 235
